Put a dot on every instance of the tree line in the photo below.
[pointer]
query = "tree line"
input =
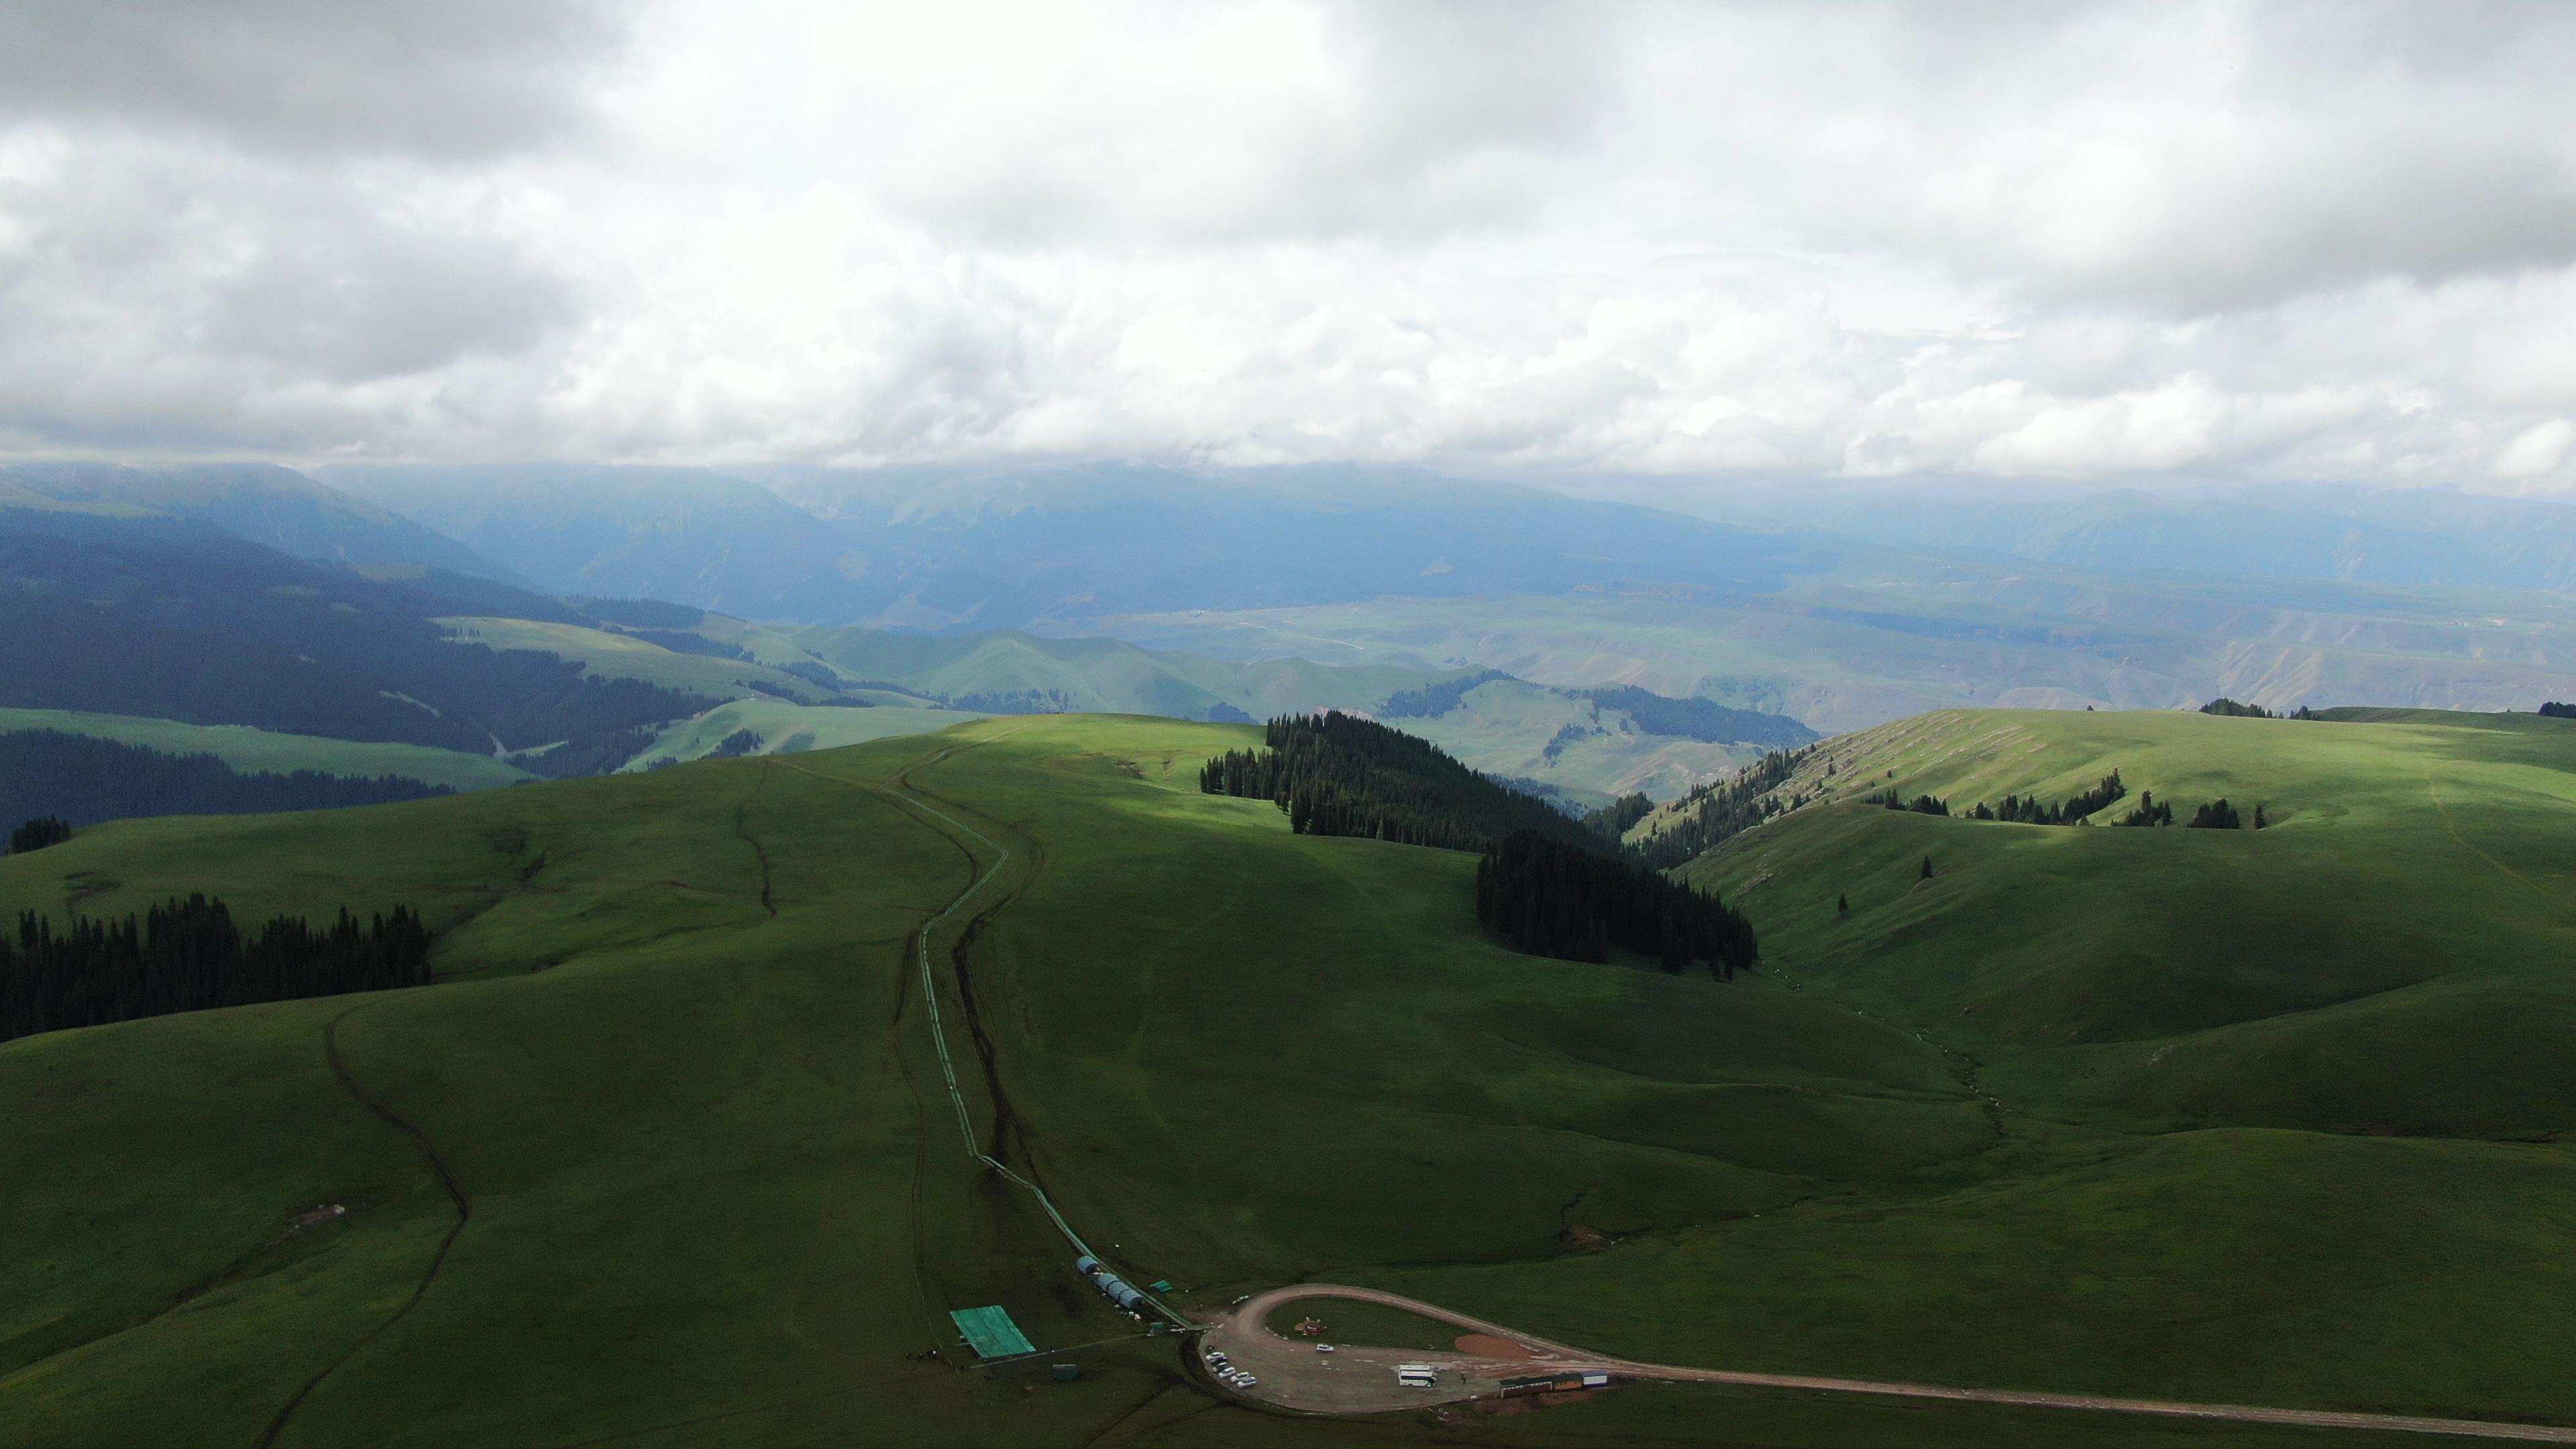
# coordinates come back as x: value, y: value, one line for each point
x: 1547, y: 898
x: 1699, y: 719
x: 84, y: 780
x: 1339, y: 774
x: 2556, y: 710
x: 2031, y: 810
x: 1613, y: 820
x: 1435, y: 699
x: 1546, y: 884
x: 2212, y: 815
x: 189, y: 955
x: 38, y: 834
x: 1717, y: 812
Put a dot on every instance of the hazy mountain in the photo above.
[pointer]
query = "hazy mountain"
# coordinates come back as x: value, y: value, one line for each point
x: 981, y: 550
x: 2354, y: 535
x: 686, y: 534
x: 258, y: 502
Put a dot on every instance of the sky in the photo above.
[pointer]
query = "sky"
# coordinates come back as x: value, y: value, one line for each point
x: 2121, y: 242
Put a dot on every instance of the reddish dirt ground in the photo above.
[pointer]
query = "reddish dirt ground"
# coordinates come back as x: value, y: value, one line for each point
x: 1359, y: 1379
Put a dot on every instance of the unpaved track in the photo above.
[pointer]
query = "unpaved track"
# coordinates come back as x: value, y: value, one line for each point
x: 1291, y: 1375
x: 1359, y: 1379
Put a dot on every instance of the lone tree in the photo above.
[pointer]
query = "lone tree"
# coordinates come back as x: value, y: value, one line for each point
x: 1842, y: 905
x: 1927, y: 867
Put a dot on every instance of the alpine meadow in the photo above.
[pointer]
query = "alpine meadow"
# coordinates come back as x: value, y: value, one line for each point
x: 1284, y: 726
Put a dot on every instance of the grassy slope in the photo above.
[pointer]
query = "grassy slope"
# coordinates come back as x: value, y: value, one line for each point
x: 715, y: 1199
x: 1506, y: 727
x: 617, y: 656
x: 2283, y: 1111
x: 706, y: 1176
x: 789, y: 728
x: 251, y: 750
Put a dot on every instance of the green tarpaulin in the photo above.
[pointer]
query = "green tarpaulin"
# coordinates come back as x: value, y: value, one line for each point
x: 991, y: 1333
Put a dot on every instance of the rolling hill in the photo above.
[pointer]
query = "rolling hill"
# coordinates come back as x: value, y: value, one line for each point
x: 256, y: 502
x: 248, y: 749
x: 669, y: 1151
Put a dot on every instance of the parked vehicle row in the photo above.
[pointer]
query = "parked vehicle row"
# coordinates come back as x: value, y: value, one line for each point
x: 1225, y: 1371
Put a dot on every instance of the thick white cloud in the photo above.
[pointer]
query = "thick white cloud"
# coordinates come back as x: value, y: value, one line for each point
x: 2331, y: 241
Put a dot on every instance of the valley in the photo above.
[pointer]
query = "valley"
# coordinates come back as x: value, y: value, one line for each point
x: 679, y: 1074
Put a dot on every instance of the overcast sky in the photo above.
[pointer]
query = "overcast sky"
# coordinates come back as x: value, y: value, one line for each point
x: 2099, y: 243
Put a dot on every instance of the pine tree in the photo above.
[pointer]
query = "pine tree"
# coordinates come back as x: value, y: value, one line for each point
x: 1927, y: 868
x: 1842, y: 905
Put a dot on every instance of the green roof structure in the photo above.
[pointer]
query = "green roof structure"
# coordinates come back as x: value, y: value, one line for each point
x: 990, y: 1332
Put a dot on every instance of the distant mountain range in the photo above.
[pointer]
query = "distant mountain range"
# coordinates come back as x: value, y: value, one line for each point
x: 270, y: 506
x: 1005, y: 589
x: 983, y: 551
x: 2401, y: 537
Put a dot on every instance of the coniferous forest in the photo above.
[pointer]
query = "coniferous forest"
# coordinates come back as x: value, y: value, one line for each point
x: 188, y: 955
x: 38, y: 834
x: 1548, y: 898
x: 85, y: 780
x: 1339, y: 774
x: 1719, y: 812
x: 1548, y: 884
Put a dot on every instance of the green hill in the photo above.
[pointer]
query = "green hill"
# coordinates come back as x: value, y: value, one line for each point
x: 666, y: 1158
x: 256, y: 750
x: 2382, y: 959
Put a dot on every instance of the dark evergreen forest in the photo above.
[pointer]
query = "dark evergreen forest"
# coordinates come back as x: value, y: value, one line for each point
x: 189, y: 956
x: 2224, y: 705
x: 1700, y: 719
x: 2556, y: 710
x: 1614, y: 819
x: 1434, y: 700
x: 124, y: 618
x: 41, y: 833
x: 1339, y: 774
x: 1719, y: 812
x: 85, y: 781
x: 1548, y: 884
x: 1548, y: 898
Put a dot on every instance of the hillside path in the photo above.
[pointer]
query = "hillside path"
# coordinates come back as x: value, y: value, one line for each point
x: 1357, y: 1379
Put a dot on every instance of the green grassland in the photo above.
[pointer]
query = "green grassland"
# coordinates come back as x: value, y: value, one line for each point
x: 787, y: 728
x: 1083, y: 674
x: 2283, y: 1115
x: 1885, y: 635
x: 1507, y: 727
x: 681, y: 1076
x: 605, y: 655
x: 256, y: 750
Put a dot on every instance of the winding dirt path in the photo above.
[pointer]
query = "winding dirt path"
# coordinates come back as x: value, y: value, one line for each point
x: 456, y: 1196
x: 1359, y: 1379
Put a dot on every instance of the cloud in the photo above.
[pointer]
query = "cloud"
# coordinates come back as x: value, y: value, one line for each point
x: 2537, y: 450
x: 2131, y: 240
x: 451, y: 79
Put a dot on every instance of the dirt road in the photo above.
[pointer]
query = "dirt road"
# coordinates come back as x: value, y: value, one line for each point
x: 1358, y: 1379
